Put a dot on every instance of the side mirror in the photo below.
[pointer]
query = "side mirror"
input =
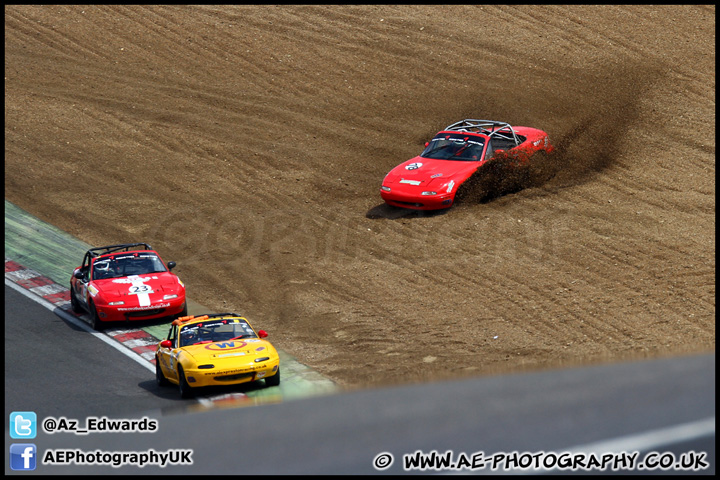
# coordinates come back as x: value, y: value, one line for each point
x: 166, y: 344
x: 427, y: 143
x: 78, y: 274
x: 171, y: 265
x: 262, y: 333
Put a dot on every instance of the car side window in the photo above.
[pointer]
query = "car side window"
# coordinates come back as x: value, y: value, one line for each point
x: 499, y: 144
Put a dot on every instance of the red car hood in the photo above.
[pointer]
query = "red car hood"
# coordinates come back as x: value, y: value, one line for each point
x: 139, y: 288
x: 428, y: 172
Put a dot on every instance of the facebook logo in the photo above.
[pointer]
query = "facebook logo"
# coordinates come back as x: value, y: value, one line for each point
x: 23, y: 425
x: 22, y: 456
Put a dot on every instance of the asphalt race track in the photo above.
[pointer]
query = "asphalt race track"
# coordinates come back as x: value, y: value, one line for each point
x: 55, y: 368
x: 659, y: 406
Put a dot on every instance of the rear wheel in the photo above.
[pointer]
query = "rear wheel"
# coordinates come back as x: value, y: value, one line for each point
x: 159, y: 375
x: 185, y: 389
x: 273, y: 381
x: 74, y: 303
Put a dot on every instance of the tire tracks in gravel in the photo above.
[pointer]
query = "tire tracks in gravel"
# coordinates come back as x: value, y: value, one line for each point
x: 257, y: 137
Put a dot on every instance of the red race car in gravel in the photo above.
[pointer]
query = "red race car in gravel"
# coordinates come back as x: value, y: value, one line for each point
x: 431, y: 180
x: 126, y: 282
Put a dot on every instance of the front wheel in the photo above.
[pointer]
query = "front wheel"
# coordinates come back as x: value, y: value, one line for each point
x: 95, y: 321
x: 185, y: 389
x: 273, y: 381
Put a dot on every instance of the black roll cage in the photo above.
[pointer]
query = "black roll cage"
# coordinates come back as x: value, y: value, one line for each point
x: 123, y: 247
x: 99, y: 251
x: 219, y: 315
x: 211, y: 316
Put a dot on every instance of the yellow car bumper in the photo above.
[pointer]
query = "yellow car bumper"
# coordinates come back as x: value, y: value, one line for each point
x: 231, y: 376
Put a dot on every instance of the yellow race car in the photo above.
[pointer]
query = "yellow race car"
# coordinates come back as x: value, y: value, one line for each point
x: 215, y: 349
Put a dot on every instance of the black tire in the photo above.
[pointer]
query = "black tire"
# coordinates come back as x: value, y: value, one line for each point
x: 273, y: 381
x: 186, y: 390
x: 74, y: 303
x: 159, y: 375
x: 95, y: 321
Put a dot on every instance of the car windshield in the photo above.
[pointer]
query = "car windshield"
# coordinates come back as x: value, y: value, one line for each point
x: 215, y: 331
x: 127, y: 264
x: 455, y: 147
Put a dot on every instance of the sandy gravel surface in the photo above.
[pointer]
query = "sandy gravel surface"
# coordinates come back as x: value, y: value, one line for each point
x: 248, y: 143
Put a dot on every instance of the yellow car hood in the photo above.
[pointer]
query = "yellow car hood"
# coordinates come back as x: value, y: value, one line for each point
x: 230, y: 351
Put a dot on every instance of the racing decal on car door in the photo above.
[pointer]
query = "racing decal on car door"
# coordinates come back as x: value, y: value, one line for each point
x: 165, y: 361
x: 174, y: 361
